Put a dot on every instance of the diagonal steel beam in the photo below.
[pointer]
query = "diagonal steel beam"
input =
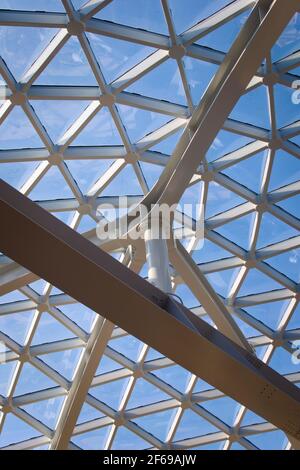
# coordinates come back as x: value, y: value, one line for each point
x: 201, y: 288
x: 46, y: 246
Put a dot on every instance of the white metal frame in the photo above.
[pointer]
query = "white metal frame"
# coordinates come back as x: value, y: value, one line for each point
x: 13, y: 276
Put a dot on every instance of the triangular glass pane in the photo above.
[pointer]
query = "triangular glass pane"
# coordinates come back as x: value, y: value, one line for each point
x: 58, y: 116
x: 167, y: 145
x: 189, y: 203
x: 222, y: 281
x: 16, y: 132
x: 275, y: 440
x: 107, y: 365
x: 16, y: 325
x: 110, y: 393
x: 65, y: 216
x: 247, y: 330
x: 285, y: 170
x: 268, y: 313
x: 252, y: 108
x: 143, y: 15
x: 163, y: 82
x: 20, y: 46
x: 187, y: 296
x: 46, y: 411
x: 101, y: 130
x: 64, y: 362
x: 126, y: 439
x: 288, y: 42
x: 209, y: 252
x: 223, y: 37
x: 199, y: 75
x: 86, y: 172
x: 282, y: 361
x: 16, y: 174
x: 175, y: 376
x: 152, y: 355
x: 220, y: 199
x: 29, y: 5
x: 295, y: 320
x: 213, y: 446
x: 88, y: 413
x: 248, y: 172
x: 7, y: 370
x: 51, y: 186
x: 224, y: 143
x: 79, y: 314
x: 12, y: 296
x: 31, y: 379
x: 251, y: 418
x: 139, y: 122
x: 151, y: 172
x: 238, y: 231
x: 86, y: 224
x: 296, y: 140
x: 93, y: 440
x: 15, y: 430
x: 272, y: 230
x: 197, y: 10
x: 256, y: 282
x: 237, y: 446
x: 38, y: 286
x: 125, y: 183
x: 127, y: 345
x: 291, y: 205
x: 224, y: 408
x: 115, y: 57
x: 50, y: 330
x: 286, y: 110
x: 156, y: 424
x: 145, y: 393
x: 68, y: 67
x: 288, y: 263
x: 78, y: 3
x: 201, y: 386
x: 192, y: 425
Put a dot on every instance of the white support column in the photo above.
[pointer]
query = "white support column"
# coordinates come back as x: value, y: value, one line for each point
x: 158, y: 261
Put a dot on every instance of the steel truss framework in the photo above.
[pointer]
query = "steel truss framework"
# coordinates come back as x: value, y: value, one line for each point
x: 99, y: 342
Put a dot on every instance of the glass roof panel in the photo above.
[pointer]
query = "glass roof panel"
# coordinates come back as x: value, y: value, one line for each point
x: 42, y: 5
x: 21, y: 46
x: 163, y: 83
x: 145, y: 15
x: 288, y: 42
x: 94, y: 119
x: 252, y: 108
x: 17, y: 132
x: 222, y: 38
x: 116, y: 56
x: 184, y: 17
x: 69, y: 67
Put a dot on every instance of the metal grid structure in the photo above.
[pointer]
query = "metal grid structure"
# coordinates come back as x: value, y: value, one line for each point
x: 172, y: 415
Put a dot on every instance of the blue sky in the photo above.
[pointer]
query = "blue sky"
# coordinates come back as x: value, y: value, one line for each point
x: 19, y: 48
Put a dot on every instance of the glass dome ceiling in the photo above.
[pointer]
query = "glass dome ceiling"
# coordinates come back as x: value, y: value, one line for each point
x: 94, y: 98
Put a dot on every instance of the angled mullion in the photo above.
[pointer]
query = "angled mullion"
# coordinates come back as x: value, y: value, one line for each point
x: 127, y: 33
x: 38, y: 19
x: 216, y: 20
x: 43, y: 60
x: 92, y: 7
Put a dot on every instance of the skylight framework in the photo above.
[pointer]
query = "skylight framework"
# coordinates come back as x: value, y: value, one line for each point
x: 259, y: 203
